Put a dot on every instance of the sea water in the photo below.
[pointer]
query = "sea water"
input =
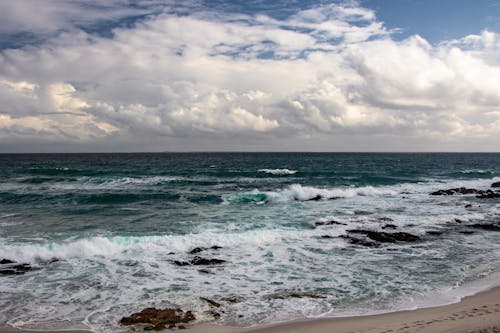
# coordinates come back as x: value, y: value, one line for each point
x: 104, y: 233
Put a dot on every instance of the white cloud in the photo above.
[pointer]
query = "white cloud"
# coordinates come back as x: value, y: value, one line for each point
x: 312, y: 79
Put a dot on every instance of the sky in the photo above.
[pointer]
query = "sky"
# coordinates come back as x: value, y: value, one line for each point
x: 249, y: 75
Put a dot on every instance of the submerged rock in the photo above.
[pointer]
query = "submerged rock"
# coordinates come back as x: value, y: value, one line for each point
x: 386, y: 237
x: 6, y: 261
x: 211, y: 302
x: 497, y: 184
x: 359, y: 241
x: 486, y: 226
x: 10, y: 267
x: 390, y: 226
x: 159, y: 318
x: 200, y: 249
x: 330, y: 222
x: 205, y: 261
x: 293, y: 294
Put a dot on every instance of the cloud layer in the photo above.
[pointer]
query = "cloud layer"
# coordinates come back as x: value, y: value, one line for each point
x: 329, y: 77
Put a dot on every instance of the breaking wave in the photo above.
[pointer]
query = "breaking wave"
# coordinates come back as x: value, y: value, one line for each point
x: 279, y: 172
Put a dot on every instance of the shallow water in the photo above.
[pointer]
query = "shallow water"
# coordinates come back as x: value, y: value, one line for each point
x: 116, y: 223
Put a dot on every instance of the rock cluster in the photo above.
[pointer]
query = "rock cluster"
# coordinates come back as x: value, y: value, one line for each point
x: 10, y: 267
x: 159, y: 319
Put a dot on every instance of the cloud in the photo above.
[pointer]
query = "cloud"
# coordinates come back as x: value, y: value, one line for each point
x: 323, y: 78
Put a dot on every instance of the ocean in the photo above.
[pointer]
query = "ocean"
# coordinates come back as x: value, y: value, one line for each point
x: 270, y: 236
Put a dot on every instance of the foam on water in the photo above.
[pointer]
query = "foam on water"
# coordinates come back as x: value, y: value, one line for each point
x: 279, y: 172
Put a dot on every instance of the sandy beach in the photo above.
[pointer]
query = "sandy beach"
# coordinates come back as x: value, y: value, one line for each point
x: 479, y: 313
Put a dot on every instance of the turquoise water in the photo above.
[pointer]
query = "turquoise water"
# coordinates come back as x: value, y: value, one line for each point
x: 116, y: 223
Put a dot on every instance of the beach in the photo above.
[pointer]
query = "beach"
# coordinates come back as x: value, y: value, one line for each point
x: 474, y: 314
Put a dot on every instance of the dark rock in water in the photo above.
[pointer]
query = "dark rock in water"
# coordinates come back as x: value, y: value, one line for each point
x: 486, y: 226
x: 197, y: 250
x: 159, y: 318
x: 200, y: 249
x: 181, y: 263
x: 315, y: 198
x: 457, y: 221
x: 390, y: 226
x: 326, y: 236
x: 211, y: 302
x: 15, y: 269
x: 6, y: 261
x: 359, y: 241
x: 330, y: 222
x: 497, y: 184
x: 293, y: 294
x: 434, y: 233
x: 468, y: 206
x: 205, y: 261
x: 458, y: 190
x: 489, y: 194
x: 204, y: 271
x: 385, y: 219
x: 386, y: 237
x: 232, y: 299
x: 215, y: 314
x: 466, y: 232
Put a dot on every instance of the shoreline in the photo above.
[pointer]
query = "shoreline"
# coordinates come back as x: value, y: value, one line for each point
x: 479, y: 313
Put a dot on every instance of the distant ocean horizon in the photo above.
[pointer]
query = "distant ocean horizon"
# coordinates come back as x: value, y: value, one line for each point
x: 87, y: 238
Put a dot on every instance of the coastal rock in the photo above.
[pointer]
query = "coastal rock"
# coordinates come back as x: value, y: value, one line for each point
x: 497, y: 184
x: 486, y: 226
x: 211, y: 302
x: 200, y: 249
x: 199, y: 261
x: 390, y: 226
x: 159, y: 318
x: 359, y: 241
x: 330, y: 222
x: 205, y: 261
x: 489, y: 194
x: 9, y: 267
x: 6, y: 261
x: 458, y: 190
x: 293, y: 294
x: 386, y: 237
x: 434, y: 233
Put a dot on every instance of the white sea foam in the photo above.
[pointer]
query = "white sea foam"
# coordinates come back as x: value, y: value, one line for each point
x: 279, y: 172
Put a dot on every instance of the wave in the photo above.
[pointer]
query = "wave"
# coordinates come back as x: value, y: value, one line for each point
x: 297, y: 192
x: 125, y: 246
x: 279, y: 172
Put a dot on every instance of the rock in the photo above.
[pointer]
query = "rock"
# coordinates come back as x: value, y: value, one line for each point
x: 489, y: 194
x: 466, y: 232
x: 386, y: 237
x: 204, y: 261
x: 358, y: 241
x: 385, y: 219
x: 434, y: 233
x: 215, y: 314
x: 15, y: 269
x: 468, y: 206
x: 181, y: 263
x: 457, y: 220
x: 293, y: 294
x: 497, y: 184
x: 204, y: 271
x: 200, y: 249
x: 389, y: 226
x: 211, y: 302
x: 199, y: 261
x: 326, y: 236
x: 6, y: 261
x: 232, y: 299
x: 315, y: 198
x: 159, y: 318
x: 486, y: 226
x: 458, y: 190
x: 330, y: 222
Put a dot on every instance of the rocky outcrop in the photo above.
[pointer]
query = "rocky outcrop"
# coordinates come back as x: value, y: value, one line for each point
x: 386, y: 237
x: 159, y: 319
x: 200, y: 249
x: 197, y: 261
x: 10, y: 267
x: 211, y: 302
x: 329, y: 222
x: 486, y: 226
x: 458, y: 190
x: 497, y: 184
x: 293, y: 294
x: 480, y: 194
